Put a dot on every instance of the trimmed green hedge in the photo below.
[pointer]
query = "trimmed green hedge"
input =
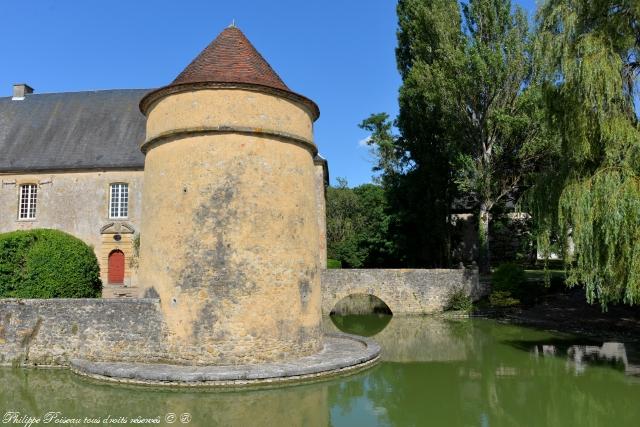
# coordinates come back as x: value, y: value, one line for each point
x: 44, y: 263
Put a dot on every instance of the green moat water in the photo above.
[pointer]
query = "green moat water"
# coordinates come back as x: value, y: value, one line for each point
x: 434, y: 373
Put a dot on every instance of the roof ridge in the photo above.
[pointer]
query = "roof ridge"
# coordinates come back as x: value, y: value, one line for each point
x: 83, y: 92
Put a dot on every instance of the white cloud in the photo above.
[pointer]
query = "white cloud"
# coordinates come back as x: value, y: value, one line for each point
x: 364, y: 142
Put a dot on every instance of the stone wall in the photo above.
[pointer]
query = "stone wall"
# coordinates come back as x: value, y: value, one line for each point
x: 229, y: 239
x: 321, y: 179
x: 52, y: 331
x: 78, y: 203
x: 405, y: 291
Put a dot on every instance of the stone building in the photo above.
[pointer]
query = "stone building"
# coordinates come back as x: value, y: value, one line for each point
x: 228, y: 204
x: 73, y: 162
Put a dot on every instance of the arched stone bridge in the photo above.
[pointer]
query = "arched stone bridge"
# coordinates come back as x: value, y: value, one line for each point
x: 405, y: 291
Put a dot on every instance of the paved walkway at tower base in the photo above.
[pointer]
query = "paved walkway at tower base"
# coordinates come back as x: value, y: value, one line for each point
x: 342, y: 354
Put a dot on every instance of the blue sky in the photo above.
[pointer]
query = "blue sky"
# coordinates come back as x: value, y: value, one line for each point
x: 338, y: 53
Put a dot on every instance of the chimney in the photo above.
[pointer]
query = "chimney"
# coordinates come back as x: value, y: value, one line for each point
x: 20, y: 90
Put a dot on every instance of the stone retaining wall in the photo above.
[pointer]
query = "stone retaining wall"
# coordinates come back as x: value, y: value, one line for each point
x: 405, y: 291
x: 52, y: 331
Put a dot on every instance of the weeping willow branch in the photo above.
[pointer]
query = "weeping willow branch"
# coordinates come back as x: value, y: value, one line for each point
x: 588, y: 197
x: 600, y: 216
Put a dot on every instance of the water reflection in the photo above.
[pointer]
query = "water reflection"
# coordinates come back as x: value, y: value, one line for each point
x: 366, y: 326
x: 579, y: 357
x: 36, y: 392
x: 435, y: 372
x: 458, y: 372
x: 430, y: 339
x: 410, y: 339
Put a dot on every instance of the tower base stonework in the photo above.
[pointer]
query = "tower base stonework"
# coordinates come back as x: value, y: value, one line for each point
x: 238, y: 283
x: 342, y: 354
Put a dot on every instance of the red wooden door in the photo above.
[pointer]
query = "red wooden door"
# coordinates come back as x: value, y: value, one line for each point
x: 116, y: 267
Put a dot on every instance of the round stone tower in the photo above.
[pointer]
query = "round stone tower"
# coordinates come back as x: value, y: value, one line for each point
x: 229, y: 236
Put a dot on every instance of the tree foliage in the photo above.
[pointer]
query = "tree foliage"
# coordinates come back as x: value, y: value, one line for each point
x: 589, y: 198
x: 357, y: 226
x: 428, y: 37
x: 47, y: 264
x: 414, y: 166
x: 469, y: 119
x: 416, y: 201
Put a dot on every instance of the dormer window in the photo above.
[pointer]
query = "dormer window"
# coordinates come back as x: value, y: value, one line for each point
x: 119, y: 200
x: 28, y: 198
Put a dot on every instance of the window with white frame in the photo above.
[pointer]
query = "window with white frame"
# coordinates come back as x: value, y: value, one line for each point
x: 119, y: 201
x: 28, y: 198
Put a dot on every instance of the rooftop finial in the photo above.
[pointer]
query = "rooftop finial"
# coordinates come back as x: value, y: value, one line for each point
x: 233, y: 23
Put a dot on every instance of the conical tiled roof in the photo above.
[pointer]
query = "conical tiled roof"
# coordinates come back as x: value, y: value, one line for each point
x: 230, y: 58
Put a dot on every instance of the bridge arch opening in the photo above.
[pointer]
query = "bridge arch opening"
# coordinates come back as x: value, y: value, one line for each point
x: 361, y: 314
x: 360, y: 304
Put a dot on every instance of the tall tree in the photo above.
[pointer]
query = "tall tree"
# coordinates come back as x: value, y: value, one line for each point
x: 429, y: 36
x: 494, y: 105
x: 418, y: 233
x: 466, y: 105
x: 589, y: 52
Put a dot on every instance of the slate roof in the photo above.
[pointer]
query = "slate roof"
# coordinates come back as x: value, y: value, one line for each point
x: 74, y: 130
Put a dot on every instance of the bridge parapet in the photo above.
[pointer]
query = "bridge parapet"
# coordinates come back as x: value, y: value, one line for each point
x: 405, y: 291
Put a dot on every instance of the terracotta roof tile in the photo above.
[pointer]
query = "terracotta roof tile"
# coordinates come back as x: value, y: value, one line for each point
x: 230, y: 58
